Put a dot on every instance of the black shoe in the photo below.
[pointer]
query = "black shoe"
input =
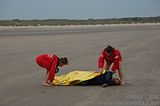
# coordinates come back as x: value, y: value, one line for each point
x: 105, y: 85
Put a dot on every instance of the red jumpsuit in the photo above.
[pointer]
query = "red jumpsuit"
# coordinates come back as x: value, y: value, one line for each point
x: 50, y: 62
x: 114, y: 58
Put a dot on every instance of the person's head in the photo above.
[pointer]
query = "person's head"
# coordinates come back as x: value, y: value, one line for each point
x: 116, y: 81
x: 109, y: 49
x: 63, y: 61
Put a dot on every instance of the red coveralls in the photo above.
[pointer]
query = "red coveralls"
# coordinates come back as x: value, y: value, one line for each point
x: 114, y: 58
x: 50, y: 62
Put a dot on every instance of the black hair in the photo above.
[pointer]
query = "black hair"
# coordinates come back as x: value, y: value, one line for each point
x: 109, y: 49
x: 115, y: 82
x: 64, y: 60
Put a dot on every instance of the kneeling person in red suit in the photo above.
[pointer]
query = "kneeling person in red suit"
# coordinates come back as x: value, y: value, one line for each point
x: 51, y: 64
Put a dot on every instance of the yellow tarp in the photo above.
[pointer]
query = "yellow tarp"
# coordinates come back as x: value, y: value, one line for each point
x: 75, y: 77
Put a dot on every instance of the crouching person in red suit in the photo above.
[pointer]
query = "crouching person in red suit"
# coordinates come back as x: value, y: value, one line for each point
x: 51, y: 64
x: 111, y: 56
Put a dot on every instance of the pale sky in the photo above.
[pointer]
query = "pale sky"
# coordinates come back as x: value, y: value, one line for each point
x: 77, y: 9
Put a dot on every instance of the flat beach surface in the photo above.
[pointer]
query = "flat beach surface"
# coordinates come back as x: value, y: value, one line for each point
x: 21, y: 79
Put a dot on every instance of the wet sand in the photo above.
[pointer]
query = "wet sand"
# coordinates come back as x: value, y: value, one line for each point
x: 21, y: 79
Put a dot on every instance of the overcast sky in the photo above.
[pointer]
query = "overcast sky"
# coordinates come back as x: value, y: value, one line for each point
x: 77, y: 9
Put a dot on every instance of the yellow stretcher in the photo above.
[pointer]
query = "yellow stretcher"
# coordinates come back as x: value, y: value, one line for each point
x: 75, y: 77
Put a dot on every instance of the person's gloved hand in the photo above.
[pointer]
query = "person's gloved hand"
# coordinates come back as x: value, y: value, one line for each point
x: 101, y: 70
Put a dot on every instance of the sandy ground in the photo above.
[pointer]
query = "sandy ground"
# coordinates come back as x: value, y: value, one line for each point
x: 21, y: 79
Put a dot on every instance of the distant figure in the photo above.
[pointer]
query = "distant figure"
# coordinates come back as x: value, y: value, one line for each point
x: 112, y: 58
x: 51, y: 64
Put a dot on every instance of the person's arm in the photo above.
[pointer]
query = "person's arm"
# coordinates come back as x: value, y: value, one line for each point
x: 51, y: 73
x: 101, y: 61
x: 120, y: 73
x: 117, y: 65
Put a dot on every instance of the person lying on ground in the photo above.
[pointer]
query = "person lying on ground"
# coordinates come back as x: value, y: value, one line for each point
x: 83, y: 78
x: 100, y: 80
